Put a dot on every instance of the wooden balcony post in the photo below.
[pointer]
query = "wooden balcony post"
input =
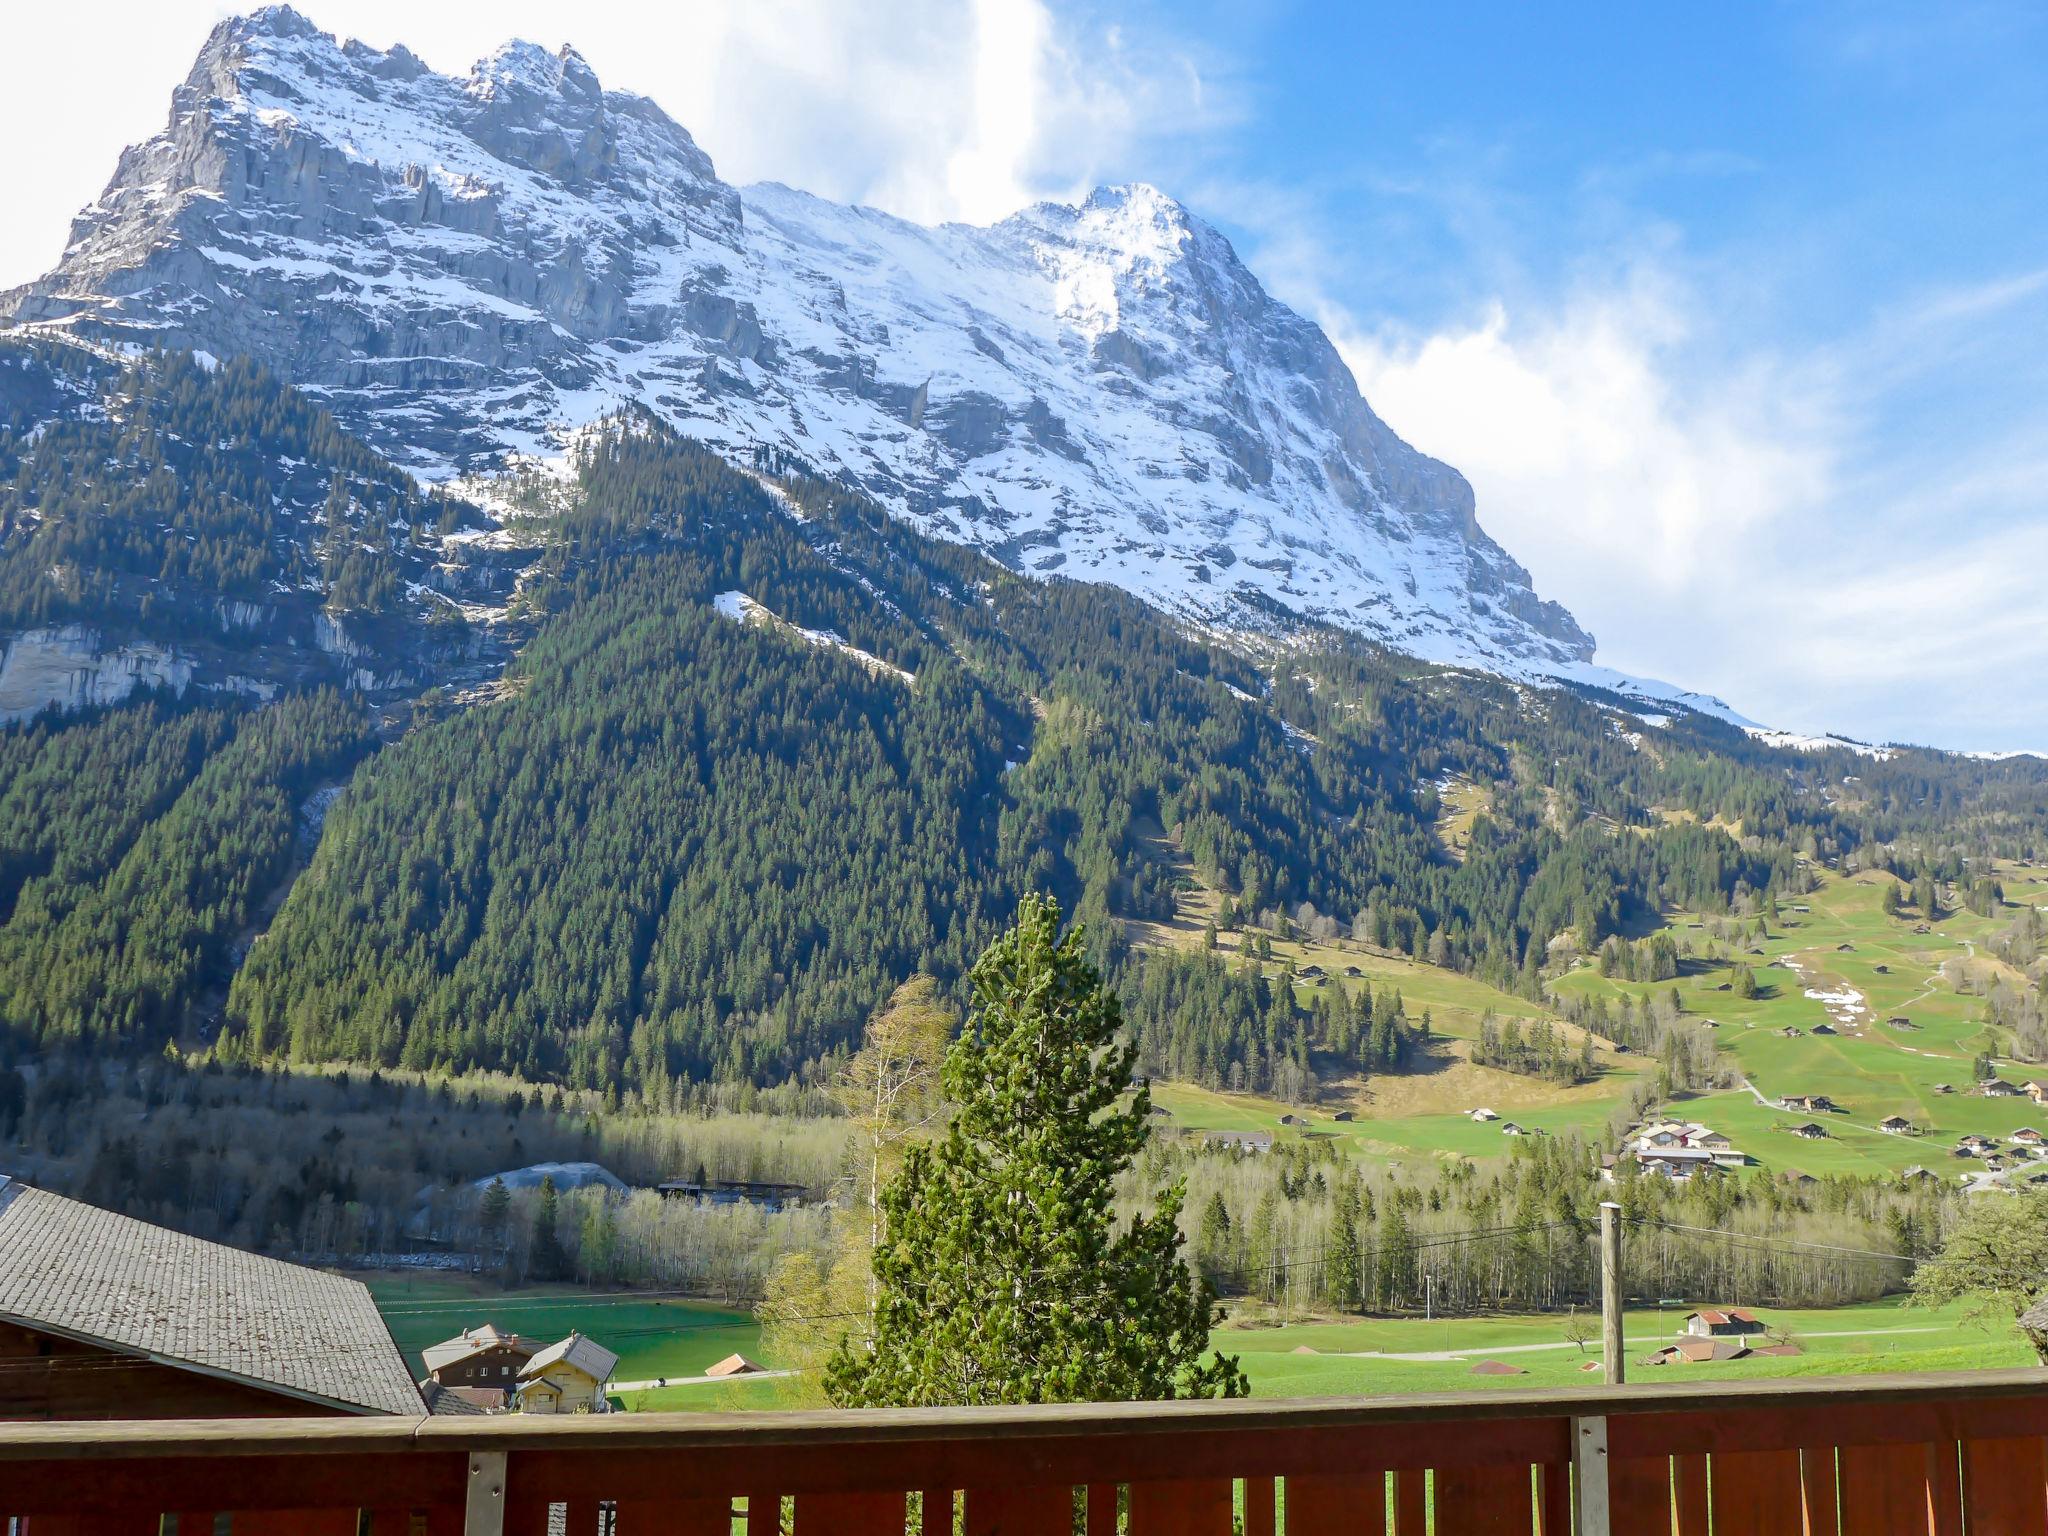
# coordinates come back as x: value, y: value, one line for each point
x: 1611, y: 1343
x: 1589, y: 1475
x: 483, y: 1510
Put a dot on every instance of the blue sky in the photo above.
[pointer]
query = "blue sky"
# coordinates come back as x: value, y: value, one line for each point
x: 1736, y: 316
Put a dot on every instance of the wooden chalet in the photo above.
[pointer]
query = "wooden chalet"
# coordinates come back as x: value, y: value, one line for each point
x: 1722, y: 1323
x: 106, y: 1317
x: 570, y: 1377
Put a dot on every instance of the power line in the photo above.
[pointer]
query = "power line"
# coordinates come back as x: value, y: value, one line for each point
x: 1758, y: 1240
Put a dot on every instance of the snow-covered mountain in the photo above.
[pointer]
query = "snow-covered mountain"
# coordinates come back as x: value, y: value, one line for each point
x: 466, y: 268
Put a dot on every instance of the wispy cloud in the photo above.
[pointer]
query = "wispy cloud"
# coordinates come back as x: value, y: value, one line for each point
x: 1784, y: 532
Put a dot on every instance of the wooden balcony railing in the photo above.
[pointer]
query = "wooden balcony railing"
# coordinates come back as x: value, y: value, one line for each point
x: 1945, y: 1455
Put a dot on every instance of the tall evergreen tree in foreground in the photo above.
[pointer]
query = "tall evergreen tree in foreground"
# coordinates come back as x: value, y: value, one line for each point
x: 1004, y: 1275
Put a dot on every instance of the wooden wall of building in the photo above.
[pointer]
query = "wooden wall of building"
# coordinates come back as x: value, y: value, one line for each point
x: 45, y: 1376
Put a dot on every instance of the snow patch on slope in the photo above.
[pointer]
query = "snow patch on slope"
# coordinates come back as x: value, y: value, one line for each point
x: 742, y: 609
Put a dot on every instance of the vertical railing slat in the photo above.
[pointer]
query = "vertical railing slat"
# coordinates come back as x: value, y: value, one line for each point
x: 1196, y: 1507
x: 1485, y: 1501
x: 2005, y: 1485
x: 1261, y: 1513
x: 1411, y: 1502
x: 1554, y: 1499
x: 934, y: 1512
x: 1820, y: 1501
x: 674, y: 1517
x: 764, y: 1514
x: 1689, y: 1483
x: 850, y: 1514
x: 1944, y: 1489
x: 1758, y: 1493
x: 1639, y: 1495
x: 1883, y: 1490
x: 1103, y: 1499
x: 1028, y: 1511
x: 312, y: 1522
x: 1326, y: 1506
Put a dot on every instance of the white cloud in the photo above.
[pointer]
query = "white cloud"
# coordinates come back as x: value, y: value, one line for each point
x: 1792, y: 537
x: 1584, y: 448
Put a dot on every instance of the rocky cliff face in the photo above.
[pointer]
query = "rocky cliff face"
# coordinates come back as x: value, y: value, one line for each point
x: 463, y: 269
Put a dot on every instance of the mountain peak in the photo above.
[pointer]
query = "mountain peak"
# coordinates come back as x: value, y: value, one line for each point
x: 467, y: 267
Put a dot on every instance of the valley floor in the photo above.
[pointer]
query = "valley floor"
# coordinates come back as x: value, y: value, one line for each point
x: 665, y: 1338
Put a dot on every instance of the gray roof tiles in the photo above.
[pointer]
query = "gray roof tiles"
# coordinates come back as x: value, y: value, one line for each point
x: 75, y: 1269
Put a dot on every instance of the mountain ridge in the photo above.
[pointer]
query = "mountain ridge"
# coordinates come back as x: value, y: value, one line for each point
x: 464, y: 269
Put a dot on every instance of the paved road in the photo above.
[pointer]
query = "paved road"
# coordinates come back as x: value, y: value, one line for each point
x: 1523, y: 1349
x: 689, y: 1381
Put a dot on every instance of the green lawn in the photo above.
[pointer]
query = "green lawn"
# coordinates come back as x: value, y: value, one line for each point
x: 1876, y: 1336
x: 1939, y: 1340
x: 652, y: 1337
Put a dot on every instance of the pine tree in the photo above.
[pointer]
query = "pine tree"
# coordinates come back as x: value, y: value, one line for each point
x: 1344, y: 1277
x: 545, y: 1260
x: 1002, y: 1275
x: 497, y: 1209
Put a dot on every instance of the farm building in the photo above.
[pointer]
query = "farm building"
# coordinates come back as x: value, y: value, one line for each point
x: 2027, y: 1136
x: 1999, y: 1088
x: 106, y: 1317
x: 2036, y: 1090
x: 1509, y: 1128
x: 569, y: 1377
x: 1698, y: 1352
x: 1812, y: 1103
x: 1895, y: 1125
x: 733, y: 1365
x: 1239, y: 1141
x: 1810, y: 1131
x: 1722, y: 1323
x: 1482, y: 1115
x: 479, y: 1357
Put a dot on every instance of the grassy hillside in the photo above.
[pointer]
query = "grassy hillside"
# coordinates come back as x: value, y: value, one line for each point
x: 1833, y: 960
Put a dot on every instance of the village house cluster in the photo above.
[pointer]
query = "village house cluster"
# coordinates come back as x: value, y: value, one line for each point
x: 1676, y: 1149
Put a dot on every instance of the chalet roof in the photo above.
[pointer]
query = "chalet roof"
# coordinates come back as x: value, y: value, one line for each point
x: 462, y: 1401
x: 1700, y: 1351
x: 1716, y: 1316
x: 474, y: 1341
x: 585, y: 1354
x: 76, y: 1270
x: 733, y: 1365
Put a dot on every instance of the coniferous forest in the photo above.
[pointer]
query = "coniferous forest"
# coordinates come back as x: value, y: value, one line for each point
x: 687, y: 840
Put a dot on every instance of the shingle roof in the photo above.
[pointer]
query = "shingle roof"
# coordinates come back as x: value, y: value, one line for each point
x: 473, y: 1341
x: 587, y: 1355
x: 75, y: 1269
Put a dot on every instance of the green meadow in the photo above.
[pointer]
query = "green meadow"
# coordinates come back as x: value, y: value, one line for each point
x: 652, y: 1336
x: 1901, y: 1028
x: 1332, y: 1359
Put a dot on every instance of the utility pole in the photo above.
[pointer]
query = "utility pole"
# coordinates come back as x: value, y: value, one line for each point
x: 1610, y: 1290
